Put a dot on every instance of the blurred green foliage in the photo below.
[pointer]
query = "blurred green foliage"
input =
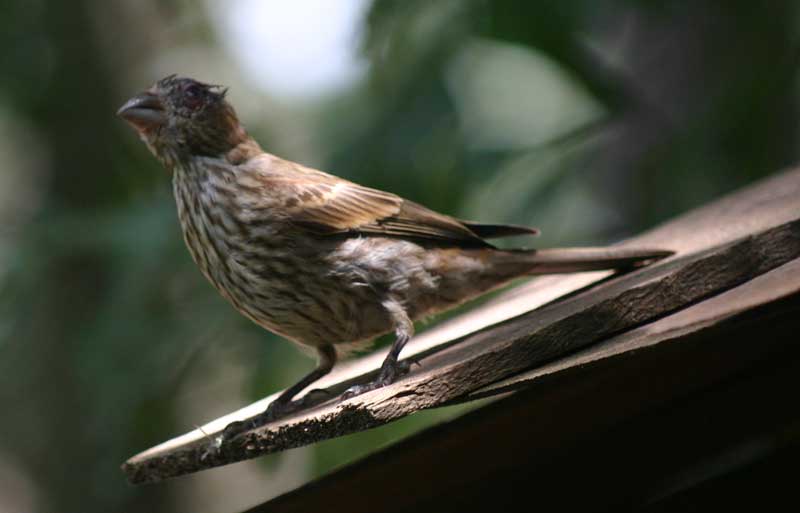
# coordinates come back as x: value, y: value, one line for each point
x: 592, y: 120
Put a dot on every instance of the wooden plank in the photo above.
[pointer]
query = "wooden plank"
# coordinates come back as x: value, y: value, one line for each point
x: 720, y: 246
x: 770, y: 287
x: 638, y: 424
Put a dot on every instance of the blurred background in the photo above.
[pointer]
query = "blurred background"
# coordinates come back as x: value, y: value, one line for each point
x: 592, y: 120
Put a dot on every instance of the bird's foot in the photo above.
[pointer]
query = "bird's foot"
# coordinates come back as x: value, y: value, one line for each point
x: 316, y: 396
x: 362, y: 389
x: 276, y: 410
x: 388, y: 375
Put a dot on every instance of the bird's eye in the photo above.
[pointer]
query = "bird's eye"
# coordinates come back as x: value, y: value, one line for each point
x: 193, y: 96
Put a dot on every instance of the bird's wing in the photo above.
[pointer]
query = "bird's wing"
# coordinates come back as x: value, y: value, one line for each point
x: 328, y: 205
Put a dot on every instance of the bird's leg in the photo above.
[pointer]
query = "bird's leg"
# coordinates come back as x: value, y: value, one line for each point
x: 391, y: 369
x: 284, y: 404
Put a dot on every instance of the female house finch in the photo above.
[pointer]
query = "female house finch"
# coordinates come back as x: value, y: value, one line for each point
x: 319, y: 260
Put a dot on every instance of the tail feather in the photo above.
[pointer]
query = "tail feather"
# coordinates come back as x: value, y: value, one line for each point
x: 569, y: 260
x: 494, y: 231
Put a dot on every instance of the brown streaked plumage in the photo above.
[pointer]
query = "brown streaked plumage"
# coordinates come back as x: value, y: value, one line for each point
x: 322, y: 261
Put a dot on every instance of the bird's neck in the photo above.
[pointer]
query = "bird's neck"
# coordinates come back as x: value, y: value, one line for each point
x: 245, y: 149
x: 238, y: 152
x: 207, y: 175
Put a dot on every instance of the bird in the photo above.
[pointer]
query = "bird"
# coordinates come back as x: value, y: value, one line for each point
x: 319, y: 260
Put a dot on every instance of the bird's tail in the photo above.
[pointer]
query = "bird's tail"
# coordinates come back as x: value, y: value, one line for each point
x: 569, y: 260
x: 491, y: 268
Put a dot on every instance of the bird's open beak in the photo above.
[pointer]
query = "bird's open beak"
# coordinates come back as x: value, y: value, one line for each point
x: 144, y: 111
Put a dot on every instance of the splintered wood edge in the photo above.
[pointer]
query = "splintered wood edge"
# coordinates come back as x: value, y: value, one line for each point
x: 499, y: 352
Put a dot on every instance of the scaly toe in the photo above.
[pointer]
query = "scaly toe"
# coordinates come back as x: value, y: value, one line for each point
x: 231, y: 431
x: 403, y: 367
x: 315, y: 396
x: 273, y: 412
x: 360, y: 389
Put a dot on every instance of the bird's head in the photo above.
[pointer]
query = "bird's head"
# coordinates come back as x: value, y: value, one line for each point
x: 180, y: 118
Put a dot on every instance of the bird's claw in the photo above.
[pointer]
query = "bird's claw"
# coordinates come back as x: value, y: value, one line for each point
x: 273, y: 412
x: 231, y: 431
x: 315, y: 396
x: 238, y: 427
x: 388, y: 375
x: 412, y: 360
x: 360, y: 389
